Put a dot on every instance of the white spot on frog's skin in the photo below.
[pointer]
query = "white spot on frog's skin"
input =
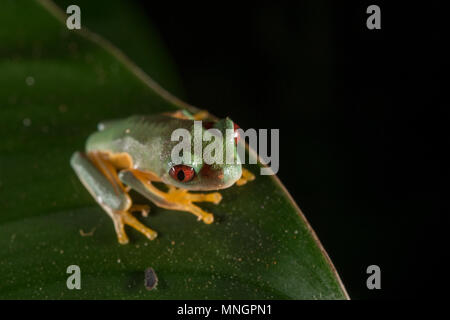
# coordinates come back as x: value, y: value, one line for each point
x: 29, y: 81
x: 118, y: 260
x: 99, y: 200
x: 127, y: 131
x: 26, y: 122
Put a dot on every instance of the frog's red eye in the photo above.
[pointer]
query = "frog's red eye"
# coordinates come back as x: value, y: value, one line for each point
x: 236, y: 133
x: 207, y: 124
x: 182, y: 173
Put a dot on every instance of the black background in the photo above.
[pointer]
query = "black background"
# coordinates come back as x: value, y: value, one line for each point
x: 362, y: 125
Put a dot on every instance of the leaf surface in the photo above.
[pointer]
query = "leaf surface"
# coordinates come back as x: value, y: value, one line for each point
x: 56, y: 85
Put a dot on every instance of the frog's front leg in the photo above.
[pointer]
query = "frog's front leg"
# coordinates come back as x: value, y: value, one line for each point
x: 100, y: 178
x: 174, y: 199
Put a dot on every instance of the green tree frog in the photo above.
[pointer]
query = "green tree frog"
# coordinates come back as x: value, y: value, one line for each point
x: 135, y: 152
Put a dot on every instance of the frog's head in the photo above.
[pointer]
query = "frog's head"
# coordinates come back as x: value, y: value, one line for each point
x: 214, y: 169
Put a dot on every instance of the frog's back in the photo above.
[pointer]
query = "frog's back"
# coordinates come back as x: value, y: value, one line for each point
x: 113, y: 135
x: 144, y: 138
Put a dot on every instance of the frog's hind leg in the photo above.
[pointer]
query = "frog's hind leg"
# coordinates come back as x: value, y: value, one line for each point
x: 174, y: 199
x: 99, y: 176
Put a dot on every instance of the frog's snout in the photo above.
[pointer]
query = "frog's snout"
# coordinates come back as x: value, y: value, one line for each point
x: 221, y: 177
x: 208, y: 173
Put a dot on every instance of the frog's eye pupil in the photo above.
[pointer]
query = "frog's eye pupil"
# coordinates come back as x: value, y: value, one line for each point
x: 182, y: 173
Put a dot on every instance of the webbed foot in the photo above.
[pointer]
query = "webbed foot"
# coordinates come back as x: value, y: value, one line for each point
x: 246, y: 176
x: 122, y: 218
x: 185, y: 199
x: 174, y: 198
x: 101, y: 180
x: 144, y: 209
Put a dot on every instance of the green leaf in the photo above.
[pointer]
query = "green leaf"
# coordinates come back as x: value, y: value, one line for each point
x: 56, y: 85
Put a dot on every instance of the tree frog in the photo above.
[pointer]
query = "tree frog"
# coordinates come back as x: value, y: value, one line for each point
x: 135, y: 152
